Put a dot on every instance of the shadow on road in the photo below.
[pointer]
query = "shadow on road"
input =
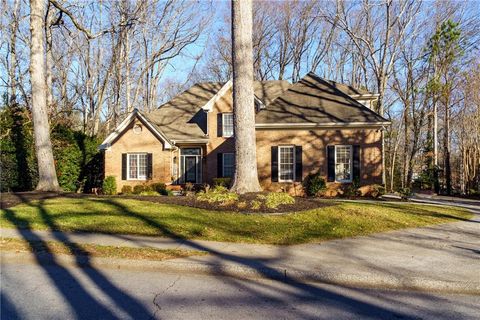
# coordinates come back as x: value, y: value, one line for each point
x: 87, y: 306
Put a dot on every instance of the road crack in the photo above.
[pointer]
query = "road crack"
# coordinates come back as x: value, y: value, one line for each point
x: 154, y: 301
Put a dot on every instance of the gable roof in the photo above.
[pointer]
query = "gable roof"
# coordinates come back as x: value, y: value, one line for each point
x: 316, y: 101
x: 124, y: 124
x: 184, y: 118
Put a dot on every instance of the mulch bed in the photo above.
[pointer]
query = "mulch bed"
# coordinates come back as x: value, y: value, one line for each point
x: 301, y: 204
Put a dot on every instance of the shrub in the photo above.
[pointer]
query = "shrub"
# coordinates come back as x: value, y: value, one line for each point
x: 255, y: 204
x: 274, y: 199
x: 126, y: 189
x: 219, y: 194
x: 149, y: 193
x: 224, y: 182
x: 109, y: 185
x: 188, y: 186
x: 405, y: 192
x: 353, y: 189
x: 377, y: 190
x: 161, y: 188
x: 314, y: 184
x: 139, y: 189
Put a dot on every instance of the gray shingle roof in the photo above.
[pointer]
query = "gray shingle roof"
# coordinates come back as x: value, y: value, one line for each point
x: 182, y: 117
x: 316, y: 100
x: 310, y: 100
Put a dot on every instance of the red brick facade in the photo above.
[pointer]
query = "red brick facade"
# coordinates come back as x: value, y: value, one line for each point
x: 314, y: 144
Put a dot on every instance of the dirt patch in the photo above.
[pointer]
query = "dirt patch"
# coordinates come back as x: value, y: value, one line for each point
x: 244, y: 204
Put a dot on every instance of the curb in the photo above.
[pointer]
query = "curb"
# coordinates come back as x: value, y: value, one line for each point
x: 360, y: 280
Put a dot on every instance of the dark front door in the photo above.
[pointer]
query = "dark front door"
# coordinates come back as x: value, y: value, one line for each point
x: 191, y: 169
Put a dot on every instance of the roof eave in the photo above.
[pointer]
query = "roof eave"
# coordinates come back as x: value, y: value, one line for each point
x: 124, y: 124
x: 311, y: 125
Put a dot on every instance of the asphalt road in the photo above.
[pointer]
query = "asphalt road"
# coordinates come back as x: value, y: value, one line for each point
x: 31, y: 291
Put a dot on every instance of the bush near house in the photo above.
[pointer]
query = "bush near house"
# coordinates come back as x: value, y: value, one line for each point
x: 314, y: 185
x: 219, y: 195
x: 224, y: 182
x: 109, y: 185
x: 126, y: 190
x: 275, y: 199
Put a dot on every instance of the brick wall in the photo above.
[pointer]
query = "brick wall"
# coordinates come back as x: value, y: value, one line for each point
x: 142, y: 142
x: 314, y: 143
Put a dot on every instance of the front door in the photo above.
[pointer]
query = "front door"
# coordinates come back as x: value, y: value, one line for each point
x: 191, y: 169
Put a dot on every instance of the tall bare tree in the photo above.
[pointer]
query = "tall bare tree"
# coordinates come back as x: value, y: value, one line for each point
x: 47, y: 176
x: 246, y: 176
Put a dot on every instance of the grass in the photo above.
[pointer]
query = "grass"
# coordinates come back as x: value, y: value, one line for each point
x: 91, y: 250
x: 126, y: 216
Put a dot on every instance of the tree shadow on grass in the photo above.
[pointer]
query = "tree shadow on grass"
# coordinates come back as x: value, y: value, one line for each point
x: 80, y: 299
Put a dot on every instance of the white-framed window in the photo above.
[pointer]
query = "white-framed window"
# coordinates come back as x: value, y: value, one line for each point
x: 227, y: 124
x: 343, y: 163
x: 286, y: 163
x: 228, y: 165
x: 137, y: 166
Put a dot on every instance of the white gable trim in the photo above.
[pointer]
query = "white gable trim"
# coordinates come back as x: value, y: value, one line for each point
x: 209, y: 105
x: 126, y: 122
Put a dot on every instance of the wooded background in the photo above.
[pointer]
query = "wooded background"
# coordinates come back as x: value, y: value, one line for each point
x: 104, y: 58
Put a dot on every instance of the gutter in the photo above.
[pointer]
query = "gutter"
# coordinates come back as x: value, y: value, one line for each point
x: 322, y: 125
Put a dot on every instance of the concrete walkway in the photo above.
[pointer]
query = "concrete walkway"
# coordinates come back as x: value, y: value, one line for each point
x: 437, y: 258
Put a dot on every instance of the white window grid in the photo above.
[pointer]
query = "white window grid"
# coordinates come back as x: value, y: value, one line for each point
x: 228, y: 165
x: 343, y: 163
x: 286, y: 163
x: 227, y: 124
x: 137, y: 166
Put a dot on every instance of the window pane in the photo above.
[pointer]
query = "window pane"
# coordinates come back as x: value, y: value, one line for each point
x: 190, y: 151
x: 343, y: 167
x: 133, y: 166
x: 228, y: 165
x: 142, y: 166
x: 286, y: 165
x: 227, y: 124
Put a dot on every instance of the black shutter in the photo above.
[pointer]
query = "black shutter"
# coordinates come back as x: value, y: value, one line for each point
x: 124, y: 166
x: 356, y: 163
x: 298, y: 163
x: 149, y: 166
x: 330, y: 163
x: 219, y: 125
x: 219, y: 165
x: 274, y: 164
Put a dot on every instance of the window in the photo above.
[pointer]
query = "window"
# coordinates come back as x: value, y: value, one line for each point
x: 228, y: 165
x: 227, y: 124
x: 137, y: 166
x: 286, y: 162
x: 343, y: 163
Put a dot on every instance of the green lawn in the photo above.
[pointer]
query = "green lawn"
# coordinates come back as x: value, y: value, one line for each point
x: 125, y: 216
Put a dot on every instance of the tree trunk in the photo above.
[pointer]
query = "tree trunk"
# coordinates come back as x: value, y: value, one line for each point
x: 246, y: 176
x: 446, y: 146
x: 49, y: 61
x: 47, y: 177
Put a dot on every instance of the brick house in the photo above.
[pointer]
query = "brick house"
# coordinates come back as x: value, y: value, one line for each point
x: 314, y: 125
